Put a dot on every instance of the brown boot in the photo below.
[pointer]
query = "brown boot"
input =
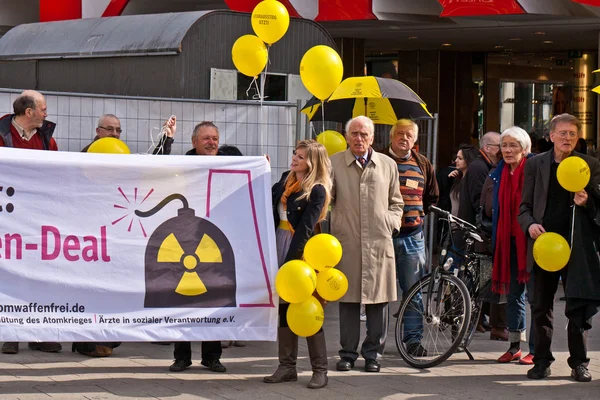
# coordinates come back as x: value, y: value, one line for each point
x: 10, y: 347
x: 288, y: 353
x: 317, y: 351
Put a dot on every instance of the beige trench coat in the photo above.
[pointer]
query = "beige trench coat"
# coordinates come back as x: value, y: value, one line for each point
x: 366, y: 209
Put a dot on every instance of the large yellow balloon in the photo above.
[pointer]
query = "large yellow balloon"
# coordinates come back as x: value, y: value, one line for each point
x: 306, y: 318
x: 270, y: 20
x: 321, y: 71
x: 551, y: 251
x: 109, y: 145
x: 332, y: 284
x: 333, y: 141
x: 295, y: 281
x: 323, y: 251
x: 249, y: 55
x: 573, y: 173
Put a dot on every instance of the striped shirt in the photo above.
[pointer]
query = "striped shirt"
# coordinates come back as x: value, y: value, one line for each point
x: 412, y: 185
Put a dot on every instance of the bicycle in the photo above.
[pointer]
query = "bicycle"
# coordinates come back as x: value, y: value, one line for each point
x: 439, y: 314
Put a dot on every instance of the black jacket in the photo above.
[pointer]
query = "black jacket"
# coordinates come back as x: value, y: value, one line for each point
x: 470, y: 191
x: 303, y: 215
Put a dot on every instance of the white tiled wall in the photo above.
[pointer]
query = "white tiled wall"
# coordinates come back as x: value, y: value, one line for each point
x: 253, y: 130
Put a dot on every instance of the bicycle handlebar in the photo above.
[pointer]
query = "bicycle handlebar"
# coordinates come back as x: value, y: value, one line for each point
x: 464, y: 225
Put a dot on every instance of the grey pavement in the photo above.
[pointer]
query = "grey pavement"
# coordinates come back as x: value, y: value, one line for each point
x: 140, y: 371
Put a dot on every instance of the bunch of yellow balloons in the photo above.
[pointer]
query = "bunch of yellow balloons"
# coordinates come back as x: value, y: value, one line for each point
x: 270, y: 21
x: 297, y: 281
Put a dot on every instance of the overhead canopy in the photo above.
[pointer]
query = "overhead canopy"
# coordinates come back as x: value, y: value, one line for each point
x: 99, y: 37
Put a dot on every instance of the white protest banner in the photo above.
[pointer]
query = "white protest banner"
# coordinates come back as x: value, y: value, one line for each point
x: 135, y: 247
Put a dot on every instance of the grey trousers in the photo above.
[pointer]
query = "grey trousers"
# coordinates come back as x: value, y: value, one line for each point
x: 377, y: 327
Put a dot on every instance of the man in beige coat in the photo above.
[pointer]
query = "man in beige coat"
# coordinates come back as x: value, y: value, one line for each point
x: 367, y: 210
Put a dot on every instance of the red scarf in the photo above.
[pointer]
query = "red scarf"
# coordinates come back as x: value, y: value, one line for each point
x: 292, y: 185
x: 509, y: 199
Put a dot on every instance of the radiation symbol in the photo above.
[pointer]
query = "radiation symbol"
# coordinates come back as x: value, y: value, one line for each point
x: 189, y: 262
x: 207, y: 251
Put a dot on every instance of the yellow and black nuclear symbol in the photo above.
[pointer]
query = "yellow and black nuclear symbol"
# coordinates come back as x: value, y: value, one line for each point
x: 189, y: 262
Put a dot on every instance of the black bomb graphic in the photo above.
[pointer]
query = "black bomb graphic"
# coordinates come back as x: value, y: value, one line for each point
x: 189, y: 262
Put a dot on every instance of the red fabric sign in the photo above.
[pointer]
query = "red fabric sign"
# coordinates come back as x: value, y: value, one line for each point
x: 345, y: 10
x: 589, y: 2
x: 59, y: 10
x: 248, y: 6
x: 470, y: 8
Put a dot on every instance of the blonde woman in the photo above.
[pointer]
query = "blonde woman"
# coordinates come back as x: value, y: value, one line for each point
x: 300, y: 201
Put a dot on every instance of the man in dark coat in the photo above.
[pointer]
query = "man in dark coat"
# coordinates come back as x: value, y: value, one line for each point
x: 547, y: 207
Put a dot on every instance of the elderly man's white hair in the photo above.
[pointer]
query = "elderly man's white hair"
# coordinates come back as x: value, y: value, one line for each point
x: 368, y: 122
x: 487, y: 138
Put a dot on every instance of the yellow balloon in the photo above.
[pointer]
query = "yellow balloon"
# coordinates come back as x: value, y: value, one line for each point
x: 321, y: 71
x: 573, y: 174
x: 323, y: 251
x: 306, y: 318
x: 109, y: 145
x: 333, y: 141
x: 332, y: 284
x: 249, y: 55
x: 296, y: 281
x: 551, y: 251
x: 270, y: 20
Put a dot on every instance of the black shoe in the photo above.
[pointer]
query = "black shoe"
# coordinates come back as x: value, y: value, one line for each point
x: 10, y: 347
x: 486, y: 325
x: 539, y: 371
x: 416, y: 350
x: 371, y: 365
x: 180, y: 365
x: 214, y: 365
x: 345, y: 364
x: 581, y: 374
x: 47, y: 347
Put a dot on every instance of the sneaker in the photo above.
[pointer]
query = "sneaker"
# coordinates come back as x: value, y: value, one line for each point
x: 539, y: 371
x: 10, y: 347
x: 416, y: 350
x: 180, y: 365
x: 214, y: 365
x: 581, y: 374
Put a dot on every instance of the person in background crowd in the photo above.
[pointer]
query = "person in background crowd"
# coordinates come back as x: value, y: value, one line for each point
x: 419, y: 190
x: 28, y: 128
x: 300, y: 201
x: 509, y: 244
x: 110, y: 126
x: 366, y: 212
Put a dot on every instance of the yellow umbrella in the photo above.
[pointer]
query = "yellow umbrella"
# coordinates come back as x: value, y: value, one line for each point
x: 383, y: 100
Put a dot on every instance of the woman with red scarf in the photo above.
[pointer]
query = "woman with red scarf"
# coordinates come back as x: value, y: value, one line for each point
x: 509, y: 244
x: 300, y: 201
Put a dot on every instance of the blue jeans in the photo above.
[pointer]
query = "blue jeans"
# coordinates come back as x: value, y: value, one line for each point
x: 516, y: 314
x: 410, y: 267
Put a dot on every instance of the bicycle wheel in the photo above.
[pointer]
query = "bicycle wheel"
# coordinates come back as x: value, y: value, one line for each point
x: 470, y: 278
x: 432, y: 321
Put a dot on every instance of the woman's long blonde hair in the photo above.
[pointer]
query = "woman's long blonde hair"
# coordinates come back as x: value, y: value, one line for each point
x: 319, y: 172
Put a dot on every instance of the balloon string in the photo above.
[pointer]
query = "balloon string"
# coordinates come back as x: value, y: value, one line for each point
x: 322, y: 116
x: 261, y: 93
x: 250, y: 87
x: 572, y: 226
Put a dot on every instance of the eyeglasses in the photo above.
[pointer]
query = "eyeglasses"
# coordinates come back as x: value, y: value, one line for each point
x: 111, y: 129
x: 564, y: 134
